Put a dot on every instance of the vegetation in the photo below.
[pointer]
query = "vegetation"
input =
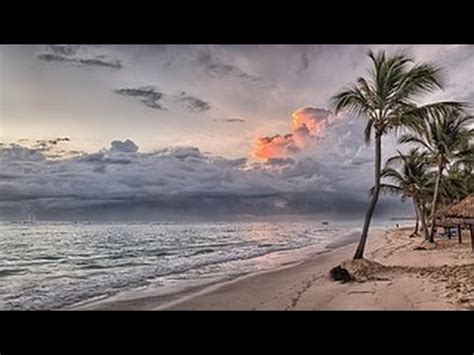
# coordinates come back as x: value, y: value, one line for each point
x: 386, y: 99
x: 412, y: 181
x: 446, y: 139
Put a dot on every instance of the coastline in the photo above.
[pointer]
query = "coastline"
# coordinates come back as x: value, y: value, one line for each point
x: 152, y: 297
x: 412, y: 280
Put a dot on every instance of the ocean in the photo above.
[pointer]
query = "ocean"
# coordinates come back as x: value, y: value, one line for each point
x: 55, y: 265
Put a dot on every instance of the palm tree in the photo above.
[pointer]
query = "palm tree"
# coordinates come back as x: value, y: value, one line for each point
x: 455, y: 185
x: 386, y: 99
x: 411, y: 181
x: 445, y: 136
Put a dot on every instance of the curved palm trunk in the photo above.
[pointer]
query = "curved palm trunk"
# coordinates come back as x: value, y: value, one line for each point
x: 435, y: 202
x: 359, y: 254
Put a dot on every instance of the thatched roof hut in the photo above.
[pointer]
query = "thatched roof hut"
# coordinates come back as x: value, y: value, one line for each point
x: 462, y: 210
x: 462, y: 213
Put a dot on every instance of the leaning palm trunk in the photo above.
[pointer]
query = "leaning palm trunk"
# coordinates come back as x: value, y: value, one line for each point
x: 359, y: 254
x: 434, y: 203
x: 421, y: 217
x: 423, y: 220
x: 417, y: 212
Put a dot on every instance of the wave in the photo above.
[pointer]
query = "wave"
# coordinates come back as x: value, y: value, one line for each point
x: 203, y: 251
x: 9, y: 272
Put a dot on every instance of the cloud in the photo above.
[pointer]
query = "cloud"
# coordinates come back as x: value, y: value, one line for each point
x: 193, y: 103
x: 304, y: 64
x: 63, y: 49
x: 77, y: 55
x: 280, y: 161
x: 101, y: 62
x: 47, y: 148
x: 122, y: 182
x: 308, y: 124
x: 122, y: 175
x: 126, y: 146
x: 52, y: 57
x: 314, y: 119
x: 47, y: 144
x: 18, y: 153
x: 232, y: 120
x: 148, y: 95
x: 153, y: 97
x: 217, y: 68
x: 276, y: 146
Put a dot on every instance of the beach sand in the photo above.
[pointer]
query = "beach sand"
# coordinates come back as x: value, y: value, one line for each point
x: 439, y: 279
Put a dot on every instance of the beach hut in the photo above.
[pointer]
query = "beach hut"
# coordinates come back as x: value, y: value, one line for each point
x: 461, y: 214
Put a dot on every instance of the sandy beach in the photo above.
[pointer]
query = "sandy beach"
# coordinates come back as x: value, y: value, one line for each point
x: 406, y: 279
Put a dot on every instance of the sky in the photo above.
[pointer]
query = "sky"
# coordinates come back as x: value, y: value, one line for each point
x: 146, y: 131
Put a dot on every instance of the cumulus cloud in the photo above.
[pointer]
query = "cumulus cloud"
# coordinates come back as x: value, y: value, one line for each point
x: 121, y: 175
x: 148, y: 95
x: 77, y: 55
x: 308, y: 124
x: 126, y: 146
x: 47, y: 148
x: 122, y: 181
x: 276, y: 146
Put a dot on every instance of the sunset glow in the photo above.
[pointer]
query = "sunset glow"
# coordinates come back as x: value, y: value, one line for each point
x: 308, y: 123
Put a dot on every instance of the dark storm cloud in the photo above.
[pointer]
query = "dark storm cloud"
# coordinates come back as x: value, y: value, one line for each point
x: 192, y: 103
x: 121, y: 181
x: 122, y: 173
x: 148, y: 95
x: 77, y: 55
x: 178, y: 179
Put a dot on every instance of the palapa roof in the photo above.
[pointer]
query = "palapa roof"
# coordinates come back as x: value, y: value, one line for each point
x: 462, y: 209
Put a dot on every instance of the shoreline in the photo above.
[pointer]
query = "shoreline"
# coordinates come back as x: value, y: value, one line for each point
x: 147, y: 297
x: 437, y: 279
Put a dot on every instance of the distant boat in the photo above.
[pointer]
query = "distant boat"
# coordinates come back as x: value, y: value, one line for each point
x: 325, y: 223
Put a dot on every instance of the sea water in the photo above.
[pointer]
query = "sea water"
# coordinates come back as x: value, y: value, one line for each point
x: 52, y: 265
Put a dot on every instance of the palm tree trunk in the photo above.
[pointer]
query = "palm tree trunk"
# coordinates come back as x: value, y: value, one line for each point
x: 417, y: 212
x: 435, y: 202
x: 423, y: 221
x: 359, y: 254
